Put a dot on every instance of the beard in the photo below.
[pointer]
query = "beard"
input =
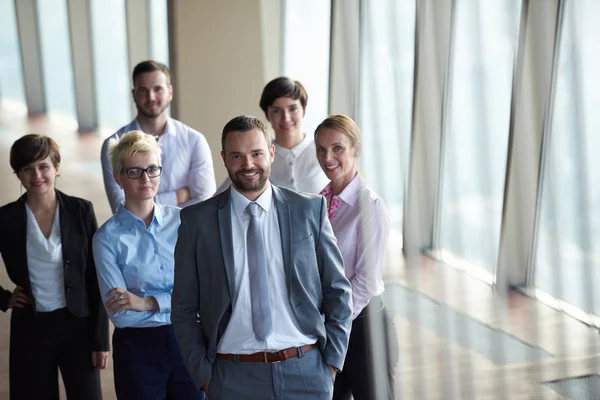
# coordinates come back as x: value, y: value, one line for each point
x: 248, y: 187
x: 150, y: 114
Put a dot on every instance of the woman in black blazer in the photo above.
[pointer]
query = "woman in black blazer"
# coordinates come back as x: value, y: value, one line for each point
x: 57, y: 319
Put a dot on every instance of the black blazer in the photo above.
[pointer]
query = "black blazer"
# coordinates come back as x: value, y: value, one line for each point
x: 77, y: 227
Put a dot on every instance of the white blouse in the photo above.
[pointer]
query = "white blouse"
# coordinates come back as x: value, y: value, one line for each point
x: 297, y: 168
x: 45, y: 262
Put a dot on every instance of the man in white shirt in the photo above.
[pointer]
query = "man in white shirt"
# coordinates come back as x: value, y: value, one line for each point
x: 261, y: 307
x: 188, y: 175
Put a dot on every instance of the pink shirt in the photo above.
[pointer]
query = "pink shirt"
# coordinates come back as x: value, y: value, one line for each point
x: 361, y: 225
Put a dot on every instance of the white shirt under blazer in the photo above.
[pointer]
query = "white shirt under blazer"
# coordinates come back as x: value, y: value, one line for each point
x: 45, y: 262
x: 239, y: 337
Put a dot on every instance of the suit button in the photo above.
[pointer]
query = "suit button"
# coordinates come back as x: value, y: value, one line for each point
x: 69, y: 287
x: 67, y: 263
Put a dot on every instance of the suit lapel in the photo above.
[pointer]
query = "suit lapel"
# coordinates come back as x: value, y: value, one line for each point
x: 226, y: 236
x: 65, y: 227
x: 71, y: 230
x: 20, y: 232
x: 285, y: 229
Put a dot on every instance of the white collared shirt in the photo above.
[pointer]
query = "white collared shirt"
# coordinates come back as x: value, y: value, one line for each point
x: 45, y: 263
x: 239, y: 336
x: 296, y: 168
x: 186, y: 161
x: 361, y: 227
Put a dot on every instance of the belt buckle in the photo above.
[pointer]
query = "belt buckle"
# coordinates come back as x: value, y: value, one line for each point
x: 265, y: 353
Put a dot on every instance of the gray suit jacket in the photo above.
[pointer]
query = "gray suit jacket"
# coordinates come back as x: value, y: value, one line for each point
x: 319, y: 292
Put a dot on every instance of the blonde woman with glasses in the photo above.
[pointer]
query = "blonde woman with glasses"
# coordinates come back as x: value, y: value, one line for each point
x: 134, y: 256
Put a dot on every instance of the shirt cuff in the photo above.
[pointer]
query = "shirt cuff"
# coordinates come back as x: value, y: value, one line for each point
x: 164, y: 302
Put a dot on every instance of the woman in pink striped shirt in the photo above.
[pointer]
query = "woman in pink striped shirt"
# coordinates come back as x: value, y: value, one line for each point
x: 360, y: 223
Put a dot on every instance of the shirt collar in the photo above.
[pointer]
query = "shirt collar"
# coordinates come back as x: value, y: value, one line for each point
x: 128, y: 220
x: 158, y: 214
x: 240, y: 202
x: 350, y: 192
x: 296, y: 150
x: 169, y: 127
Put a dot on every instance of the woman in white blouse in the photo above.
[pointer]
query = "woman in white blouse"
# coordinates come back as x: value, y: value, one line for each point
x: 360, y: 223
x: 57, y: 318
x: 295, y: 166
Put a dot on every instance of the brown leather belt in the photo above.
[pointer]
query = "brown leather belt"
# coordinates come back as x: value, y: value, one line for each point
x: 267, y: 356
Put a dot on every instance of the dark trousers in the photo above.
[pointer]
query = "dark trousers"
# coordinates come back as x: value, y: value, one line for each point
x: 148, y: 366
x: 42, y: 343
x: 370, y: 360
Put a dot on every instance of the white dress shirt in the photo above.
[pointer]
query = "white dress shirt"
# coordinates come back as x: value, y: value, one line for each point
x: 186, y: 161
x: 239, y: 337
x: 45, y: 263
x: 296, y: 168
x: 361, y: 227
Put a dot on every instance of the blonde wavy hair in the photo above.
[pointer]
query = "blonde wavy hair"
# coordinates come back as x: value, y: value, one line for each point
x: 128, y: 145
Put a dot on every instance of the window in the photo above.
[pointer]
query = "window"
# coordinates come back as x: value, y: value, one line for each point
x: 568, y: 245
x: 11, y: 74
x: 385, y: 101
x: 56, y: 57
x: 159, y: 32
x: 113, y: 87
x: 475, y: 137
x: 306, y: 53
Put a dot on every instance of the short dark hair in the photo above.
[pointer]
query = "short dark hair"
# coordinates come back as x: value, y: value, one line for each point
x: 150, y: 66
x: 282, y: 87
x: 244, y: 123
x: 31, y: 148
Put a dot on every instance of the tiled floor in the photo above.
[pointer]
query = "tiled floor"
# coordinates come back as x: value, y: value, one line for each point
x: 431, y: 365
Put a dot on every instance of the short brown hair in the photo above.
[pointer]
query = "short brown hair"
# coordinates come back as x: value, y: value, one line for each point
x: 244, y: 123
x: 31, y: 148
x: 150, y: 66
x: 282, y: 87
x: 345, y: 125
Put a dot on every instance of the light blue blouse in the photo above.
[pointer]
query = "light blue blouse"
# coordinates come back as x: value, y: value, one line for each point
x: 130, y: 256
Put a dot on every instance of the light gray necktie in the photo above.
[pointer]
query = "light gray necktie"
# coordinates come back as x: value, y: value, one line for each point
x: 259, y: 277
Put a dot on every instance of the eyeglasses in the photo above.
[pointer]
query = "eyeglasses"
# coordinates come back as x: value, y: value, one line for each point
x: 136, y: 173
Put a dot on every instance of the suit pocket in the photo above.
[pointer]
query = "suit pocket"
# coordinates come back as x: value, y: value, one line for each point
x: 303, y: 252
x: 308, y: 239
x: 306, y: 272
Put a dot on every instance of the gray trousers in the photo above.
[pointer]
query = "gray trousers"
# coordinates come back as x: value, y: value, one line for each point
x: 305, y: 377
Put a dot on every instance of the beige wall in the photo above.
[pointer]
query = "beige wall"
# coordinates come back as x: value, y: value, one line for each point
x: 222, y: 54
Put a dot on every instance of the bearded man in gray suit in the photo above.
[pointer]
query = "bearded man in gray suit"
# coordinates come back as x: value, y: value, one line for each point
x: 261, y: 308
